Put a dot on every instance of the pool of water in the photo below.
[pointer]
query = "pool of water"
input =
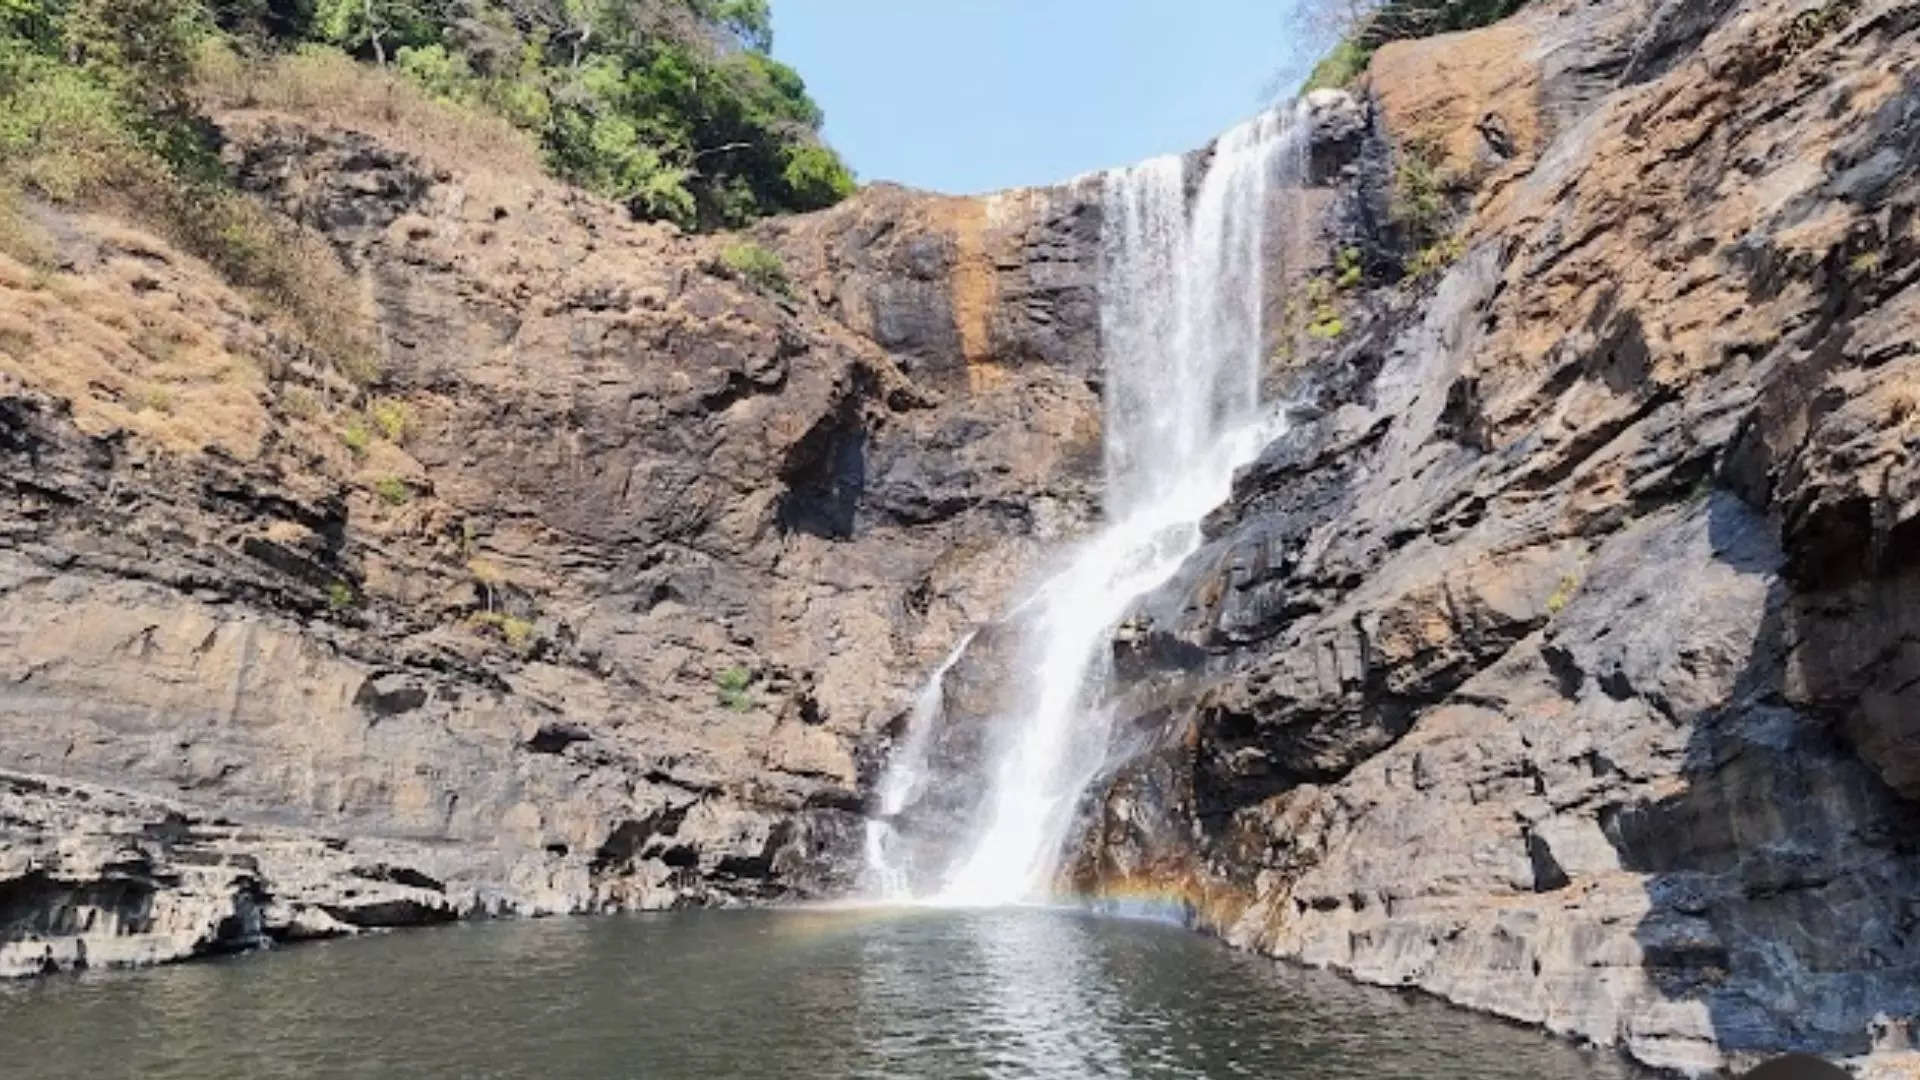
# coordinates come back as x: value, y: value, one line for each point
x: 775, y: 994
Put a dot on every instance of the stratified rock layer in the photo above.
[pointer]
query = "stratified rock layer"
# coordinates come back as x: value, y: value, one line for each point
x: 595, y: 597
x: 1561, y: 660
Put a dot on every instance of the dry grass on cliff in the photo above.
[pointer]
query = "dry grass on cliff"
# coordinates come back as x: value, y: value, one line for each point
x: 139, y: 343
x: 327, y: 86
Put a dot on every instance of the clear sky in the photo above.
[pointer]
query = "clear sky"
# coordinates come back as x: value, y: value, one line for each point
x: 967, y: 96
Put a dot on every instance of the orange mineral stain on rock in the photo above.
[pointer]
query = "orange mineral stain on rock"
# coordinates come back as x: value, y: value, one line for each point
x: 974, y: 292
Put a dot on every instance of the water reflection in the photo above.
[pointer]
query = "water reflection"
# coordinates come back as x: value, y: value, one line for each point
x: 780, y: 995
x: 1046, y: 996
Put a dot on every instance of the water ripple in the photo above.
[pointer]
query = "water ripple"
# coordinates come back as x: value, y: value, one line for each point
x: 776, y: 995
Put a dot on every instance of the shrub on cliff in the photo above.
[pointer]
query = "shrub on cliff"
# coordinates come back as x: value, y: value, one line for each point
x: 670, y: 106
x: 96, y: 110
x: 755, y: 265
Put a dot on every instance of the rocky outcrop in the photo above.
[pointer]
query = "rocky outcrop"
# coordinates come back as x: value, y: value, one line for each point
x: 592, y: 593
x: 1560, y: 660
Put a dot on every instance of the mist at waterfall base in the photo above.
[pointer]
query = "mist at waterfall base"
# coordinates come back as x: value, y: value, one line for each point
x: 1182, y: 290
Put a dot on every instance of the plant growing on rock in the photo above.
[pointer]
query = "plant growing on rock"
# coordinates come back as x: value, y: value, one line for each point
x: 755, y: 265
x: 393, y: 491
x: 392, y: 417
x: 1420, y: 208
x: 732, y: 688
x: 1430, y: 260
x: 156, y: 399
x: 340, y: 596
x: 1347, y: 268
x: 1323, y: 317
x: 300, y: 401
x: 1563, y: 594
x: 489, y: 577
x: 357, y: 437
x: 1810, y: 26
x: 515, y: 631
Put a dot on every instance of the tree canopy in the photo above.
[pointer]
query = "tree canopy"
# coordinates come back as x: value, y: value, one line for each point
x: 673, y: 107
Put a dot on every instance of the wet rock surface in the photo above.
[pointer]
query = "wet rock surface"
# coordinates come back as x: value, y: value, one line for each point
x: 1559, y: 660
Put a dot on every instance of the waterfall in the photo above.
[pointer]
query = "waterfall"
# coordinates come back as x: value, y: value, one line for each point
x: 906, y: 773
x: 1181, y: 293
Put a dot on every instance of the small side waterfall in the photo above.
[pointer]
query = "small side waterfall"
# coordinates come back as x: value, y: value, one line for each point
x: 906, y: 773
x: 1182, y: 293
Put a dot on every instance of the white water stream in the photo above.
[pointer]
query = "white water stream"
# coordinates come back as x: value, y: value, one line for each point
x: 1181, y: 293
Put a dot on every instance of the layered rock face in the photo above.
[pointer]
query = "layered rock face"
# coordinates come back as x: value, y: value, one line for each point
x: 1560, y: 661
x: 593, y: 597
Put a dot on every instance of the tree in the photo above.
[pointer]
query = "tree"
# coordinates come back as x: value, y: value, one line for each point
x: 378, y: 25
x: 143, y: 49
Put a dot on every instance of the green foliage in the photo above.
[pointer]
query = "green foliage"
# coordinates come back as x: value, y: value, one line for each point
x: 435, y: 69
x: 1339, y: 68
x: 340, y: 596
x: 391, y: 417
x: 95, y: 108
x: 142, y: 50
x: 393, y: 491
x: 681, y: 134
x: 699, y: 127
x: 515, y: 631
x: 1420, y: 209
x: 732, y: 688
x: 357, y: 437
x: 1562, y: 595
x: 1324, y: 322
x: 816, y: 177
x: 377, y: 29
x: 749, y: 20
x: 64, y: 135
x: 673, y: 107
x: 1431, y: 260
x: 756, y: 266
x: 1326, y: 325
x: 1347, y: 270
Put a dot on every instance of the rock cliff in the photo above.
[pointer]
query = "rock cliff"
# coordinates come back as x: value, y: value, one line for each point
x: 593, y: 597
x: 1560, y: 660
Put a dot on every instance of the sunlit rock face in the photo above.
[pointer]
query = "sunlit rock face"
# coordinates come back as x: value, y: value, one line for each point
x: 1558, y: 661
x: 611, y: 616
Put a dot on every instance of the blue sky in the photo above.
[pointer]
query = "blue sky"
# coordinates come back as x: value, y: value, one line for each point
x: 966, y: 96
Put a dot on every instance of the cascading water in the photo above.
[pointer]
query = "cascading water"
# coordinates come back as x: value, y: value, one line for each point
x: 1182, y: 293
x: 906, y: 772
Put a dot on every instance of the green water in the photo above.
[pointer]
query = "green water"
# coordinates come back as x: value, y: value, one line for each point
x: 780, y: 995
